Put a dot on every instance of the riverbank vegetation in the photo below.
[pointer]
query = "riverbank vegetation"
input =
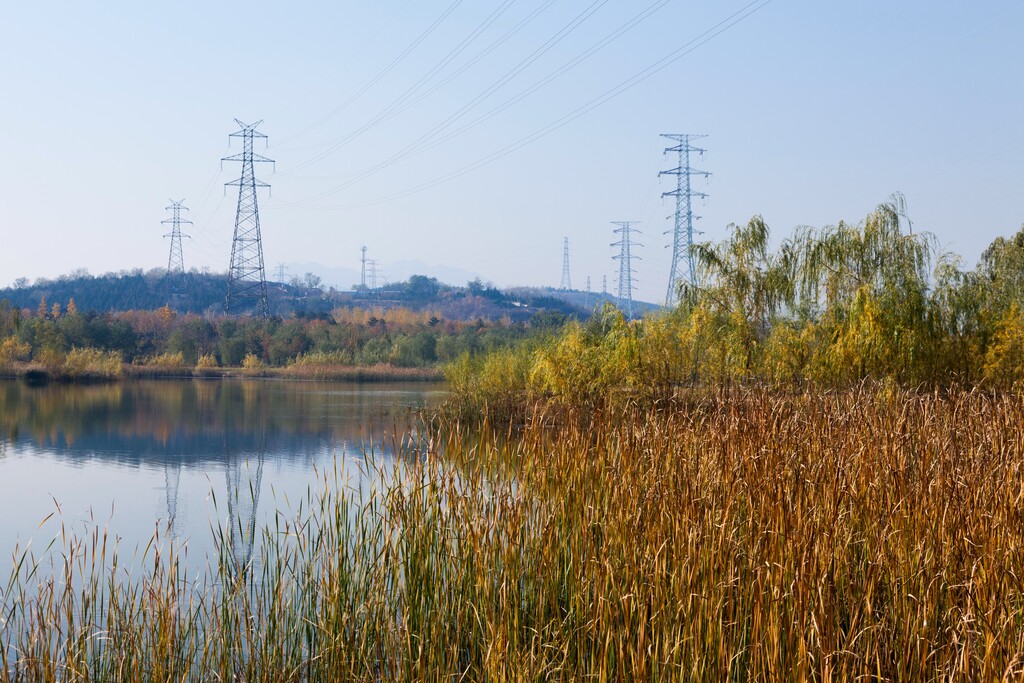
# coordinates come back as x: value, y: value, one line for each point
x: 830, y: 308
x: 60, y: 342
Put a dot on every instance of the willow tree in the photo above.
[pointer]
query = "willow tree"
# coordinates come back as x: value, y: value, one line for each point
x: 871, y: 282
x: 1000, y: 300
x: 742, y: 287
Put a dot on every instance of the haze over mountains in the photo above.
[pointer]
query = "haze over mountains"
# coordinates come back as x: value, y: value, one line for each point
x: 344, y: 278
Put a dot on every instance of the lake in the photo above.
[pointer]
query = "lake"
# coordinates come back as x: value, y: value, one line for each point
x: 185, y: 456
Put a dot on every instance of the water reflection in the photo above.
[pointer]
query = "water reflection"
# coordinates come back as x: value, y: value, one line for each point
x: 154, y: 451
x: 196, y: 421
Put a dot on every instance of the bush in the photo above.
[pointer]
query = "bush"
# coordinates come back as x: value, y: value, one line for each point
x: 206, y: 361
x: 253, y: 362
x: 13, y: 350
x: 168, y: 360
x: 91, y: 363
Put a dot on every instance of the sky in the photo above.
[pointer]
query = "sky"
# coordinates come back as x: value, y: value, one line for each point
x: 475, y: 135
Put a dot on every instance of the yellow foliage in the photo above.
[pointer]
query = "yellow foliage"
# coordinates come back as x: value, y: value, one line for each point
x: 90, y: 362
x: 399, y: 317
x: 13, y: 350
x: 322, y: 358
x: 207, y: 360
x: 253, y: 362
x: 790, y: 352
x: 572, y: 369
x: 1004, y: 360
x: 51, y: 357
x: 168, y: 360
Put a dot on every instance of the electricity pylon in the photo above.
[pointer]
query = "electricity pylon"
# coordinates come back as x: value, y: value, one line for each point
x: 625, y: 258
x: 362, y: 270
x: 682, y: 231
x: 247, y: 281
x: 566, y: 280
x: 372, y: 263
x: 175, y: 261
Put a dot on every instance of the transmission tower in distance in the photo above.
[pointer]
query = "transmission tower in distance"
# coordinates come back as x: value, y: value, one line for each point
x: 682, y: 230
x: 362, y: 269
x: 175, y: 262
x: 247, y: 281
x: 625, y: 258
x: 372, y: 263
x: 566, y: 280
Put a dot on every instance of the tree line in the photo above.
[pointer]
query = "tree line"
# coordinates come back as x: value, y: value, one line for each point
x: 835, y: 306
x: 401, y: 337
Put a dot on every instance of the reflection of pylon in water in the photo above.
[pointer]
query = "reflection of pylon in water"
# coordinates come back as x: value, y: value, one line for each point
x: 243, y: 502
x: 172, y: 482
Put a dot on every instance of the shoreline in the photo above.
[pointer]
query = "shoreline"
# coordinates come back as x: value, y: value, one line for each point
x: 34, y: 374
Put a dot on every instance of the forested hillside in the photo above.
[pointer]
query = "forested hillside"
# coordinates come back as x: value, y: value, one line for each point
x: 203, y: 293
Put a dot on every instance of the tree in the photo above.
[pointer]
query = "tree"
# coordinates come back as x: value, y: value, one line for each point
x: 744, y: 285
x: 421, y: 287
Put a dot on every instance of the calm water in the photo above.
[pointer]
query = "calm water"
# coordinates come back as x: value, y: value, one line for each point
x: 188, y: 454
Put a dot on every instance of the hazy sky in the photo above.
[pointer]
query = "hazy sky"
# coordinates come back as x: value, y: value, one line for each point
x: 442, y: 130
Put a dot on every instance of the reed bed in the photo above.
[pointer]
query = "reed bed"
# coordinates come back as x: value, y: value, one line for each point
x: 741, y: 535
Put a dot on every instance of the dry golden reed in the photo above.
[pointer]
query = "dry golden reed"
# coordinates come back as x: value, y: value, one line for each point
x: 732, y: 535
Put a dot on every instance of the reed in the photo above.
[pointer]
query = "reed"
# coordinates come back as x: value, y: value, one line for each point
x: 743, y: 534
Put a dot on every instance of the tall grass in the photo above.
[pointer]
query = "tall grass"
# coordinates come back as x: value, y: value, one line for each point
x: 747, y: 535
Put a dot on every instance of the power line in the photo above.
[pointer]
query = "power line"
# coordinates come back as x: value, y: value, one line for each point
x: 370, y: 39
x: 682, y: 230
x: 409, y: 98
x: 426, y: 142
x: 381, y: 74
x: 605, y: 97
x: 551, y: 42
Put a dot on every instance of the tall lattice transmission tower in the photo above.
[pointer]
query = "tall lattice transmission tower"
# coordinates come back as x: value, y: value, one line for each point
x: 566, y: 280
x: 682, y: 230
x: 372, y: 273
x: 175, y: 262
x: 247, y: 281
x: 625, y: 258
x: 362, y: 269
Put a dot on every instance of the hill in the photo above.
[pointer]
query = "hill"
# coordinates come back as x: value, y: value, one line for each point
x: 203, y: 293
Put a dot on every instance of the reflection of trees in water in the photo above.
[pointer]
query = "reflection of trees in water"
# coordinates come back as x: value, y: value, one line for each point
x: 157, y: 420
